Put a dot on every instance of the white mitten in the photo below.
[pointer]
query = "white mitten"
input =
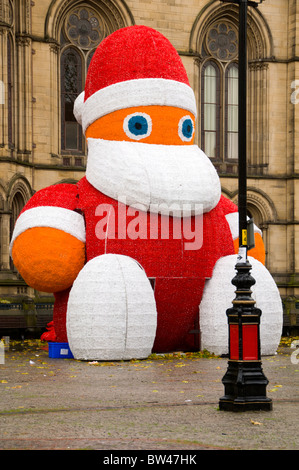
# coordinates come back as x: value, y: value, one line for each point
x: 217, y: 298
x: 111, y: 312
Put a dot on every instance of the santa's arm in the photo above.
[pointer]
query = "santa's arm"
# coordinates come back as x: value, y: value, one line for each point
x: 258, y: 252
x: 48, y: 242
x: 230, y: 211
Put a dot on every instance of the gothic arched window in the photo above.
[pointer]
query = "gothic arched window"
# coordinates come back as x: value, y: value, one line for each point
x: 71, y: 86
x: 210, y: 109
x: 219, y: 92
x: 81, y: 32
x: 17, y: 205
x: 231, y: 111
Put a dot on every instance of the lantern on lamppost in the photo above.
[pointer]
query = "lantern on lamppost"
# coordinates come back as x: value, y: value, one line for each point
x: 244, y: 381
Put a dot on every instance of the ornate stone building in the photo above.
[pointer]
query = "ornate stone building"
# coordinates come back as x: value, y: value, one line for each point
x: 46, y: 47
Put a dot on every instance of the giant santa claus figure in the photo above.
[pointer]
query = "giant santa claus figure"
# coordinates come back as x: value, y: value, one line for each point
x: 137, y: 252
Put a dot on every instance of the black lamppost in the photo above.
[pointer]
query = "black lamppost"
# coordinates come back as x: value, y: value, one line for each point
x: 244, y: 381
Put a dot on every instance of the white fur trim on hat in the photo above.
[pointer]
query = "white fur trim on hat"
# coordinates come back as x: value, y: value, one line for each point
x: 78, y: 107
x: 49, y: 216
x: 131, y: 93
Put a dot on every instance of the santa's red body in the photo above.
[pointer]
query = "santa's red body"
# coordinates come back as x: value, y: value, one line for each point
x: 177, y: 274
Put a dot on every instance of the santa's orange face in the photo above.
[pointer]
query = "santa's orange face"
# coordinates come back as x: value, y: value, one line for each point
x: 165, y: 125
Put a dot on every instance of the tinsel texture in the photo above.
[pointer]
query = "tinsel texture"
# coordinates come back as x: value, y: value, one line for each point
x: 111, y: 312
x: 148, y: 54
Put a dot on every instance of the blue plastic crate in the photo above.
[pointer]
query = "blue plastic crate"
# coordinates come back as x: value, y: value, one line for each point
x: 60, y: 350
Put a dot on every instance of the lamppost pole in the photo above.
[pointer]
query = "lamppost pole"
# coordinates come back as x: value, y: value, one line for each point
x: 242, y: 118
x: 244, y: 381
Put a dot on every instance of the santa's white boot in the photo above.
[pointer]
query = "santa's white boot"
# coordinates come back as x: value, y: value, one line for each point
x: 111, y: 312
x: 217, y: 298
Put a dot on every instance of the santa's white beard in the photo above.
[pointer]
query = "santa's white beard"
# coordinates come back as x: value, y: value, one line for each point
x: 156, y: 178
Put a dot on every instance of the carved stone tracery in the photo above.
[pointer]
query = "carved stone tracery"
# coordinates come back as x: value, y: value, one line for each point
x: 111, y: 15
x: 222, y: 41
x: 84, y: 28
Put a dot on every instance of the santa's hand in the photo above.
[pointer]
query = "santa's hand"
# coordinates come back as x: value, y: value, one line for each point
x: 258, y: 252
x: 48, y: 259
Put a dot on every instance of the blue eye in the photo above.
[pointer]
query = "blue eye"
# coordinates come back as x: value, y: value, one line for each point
x: 186, y: 128
x: 137, y: 126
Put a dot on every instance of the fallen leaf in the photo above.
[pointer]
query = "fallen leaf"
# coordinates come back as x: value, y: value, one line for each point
x: 256, y: 423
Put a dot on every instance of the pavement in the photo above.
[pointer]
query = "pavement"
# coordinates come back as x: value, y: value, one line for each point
x: 166, y: 403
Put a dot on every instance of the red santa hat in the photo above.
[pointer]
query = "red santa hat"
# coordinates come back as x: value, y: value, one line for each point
x: 134, y: 66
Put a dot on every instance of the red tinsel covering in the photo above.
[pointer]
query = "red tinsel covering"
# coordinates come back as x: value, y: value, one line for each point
x: 179, y: 274
x: 132, y: 53
x: 60, y: 195
x: 59, y: 315
x: 50, y: 334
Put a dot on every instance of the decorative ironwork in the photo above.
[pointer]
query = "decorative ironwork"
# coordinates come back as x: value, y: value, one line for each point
x: 83, y: 28
x: 222, y: 41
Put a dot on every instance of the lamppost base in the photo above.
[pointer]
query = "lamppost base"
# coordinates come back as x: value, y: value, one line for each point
x: 245, y: 388
x: 245, y: 405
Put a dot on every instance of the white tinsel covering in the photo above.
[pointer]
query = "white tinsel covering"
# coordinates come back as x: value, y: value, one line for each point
x: 111, y: 311
x: 217, y: 298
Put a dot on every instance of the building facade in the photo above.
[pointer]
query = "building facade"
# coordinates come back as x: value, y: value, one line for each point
x: 46, y: 47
